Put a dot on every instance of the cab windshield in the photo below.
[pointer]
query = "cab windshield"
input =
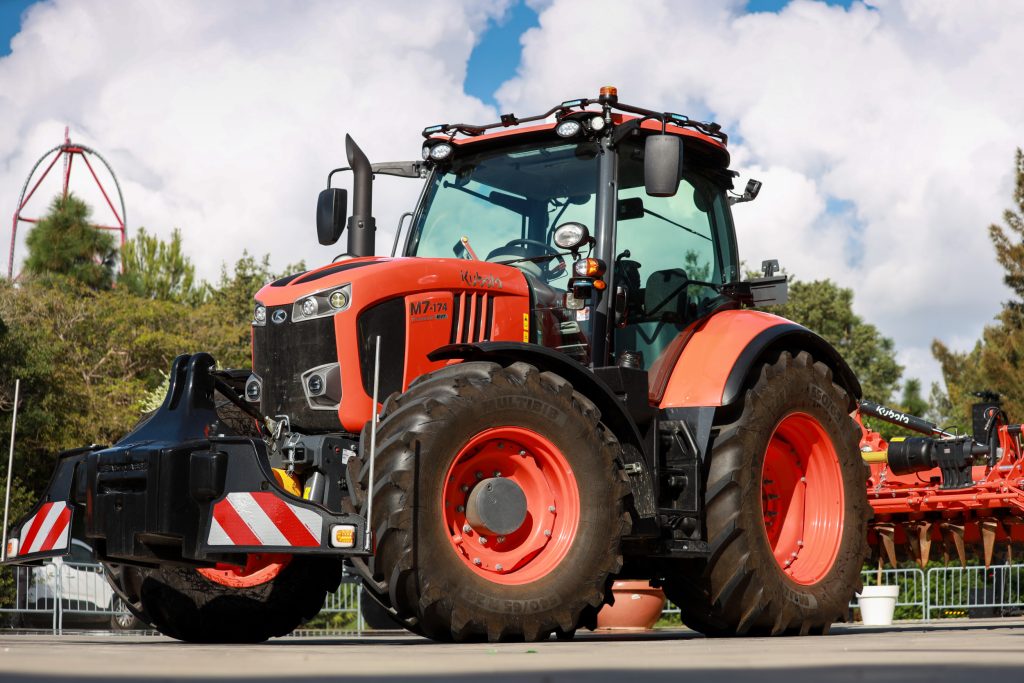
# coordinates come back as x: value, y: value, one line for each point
x: 507, y: 204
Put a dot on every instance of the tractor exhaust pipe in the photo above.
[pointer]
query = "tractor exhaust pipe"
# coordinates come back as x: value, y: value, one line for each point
x: 361, y: 224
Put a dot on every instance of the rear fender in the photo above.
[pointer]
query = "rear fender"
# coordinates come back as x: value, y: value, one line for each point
x: 714, y: 366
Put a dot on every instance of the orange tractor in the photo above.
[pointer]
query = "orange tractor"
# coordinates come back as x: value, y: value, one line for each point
x: 558, y: 381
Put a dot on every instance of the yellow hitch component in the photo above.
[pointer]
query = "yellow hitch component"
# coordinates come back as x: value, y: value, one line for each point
x: 288, y: 482
x: 875, y: 456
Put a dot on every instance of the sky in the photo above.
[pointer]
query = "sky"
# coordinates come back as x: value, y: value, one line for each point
x: 883, y: 131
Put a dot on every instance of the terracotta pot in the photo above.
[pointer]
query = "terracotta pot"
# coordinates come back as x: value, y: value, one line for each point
x: 637, y: 607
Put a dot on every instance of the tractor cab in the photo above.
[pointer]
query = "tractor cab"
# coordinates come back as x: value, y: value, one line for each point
x: 615, y: 270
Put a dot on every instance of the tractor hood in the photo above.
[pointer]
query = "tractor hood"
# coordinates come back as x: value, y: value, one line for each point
x: 382, y: 278
x: 315, y: 334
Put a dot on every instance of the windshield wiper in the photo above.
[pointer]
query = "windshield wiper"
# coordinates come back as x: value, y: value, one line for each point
x: 506, y: 201
x: 678, y: 225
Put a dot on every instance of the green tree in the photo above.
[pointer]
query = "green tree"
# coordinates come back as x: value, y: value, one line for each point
x: 65, y: 243
x: 826, y: 308
x: 155, y: 269
x: 912, y: 401
x: 996, y: 362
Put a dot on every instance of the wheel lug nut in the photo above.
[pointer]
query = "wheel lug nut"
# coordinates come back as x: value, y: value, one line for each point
x: 522, y: 452
x: 464, y: 488
x: 803, y: 480
x: 457, y: 538
x: 501, y: 539
x: 483, y: 540
x: 498, y: 567
x: 497, y: 473
x: 793, y: 555
x: 476, y: 561
x: 460, y: 508
x: 551, y: 508
x: 799, y: 544
x: 501, y: 444
x: 479, y: 475
x: 466, y: 528
x: 547, y: 532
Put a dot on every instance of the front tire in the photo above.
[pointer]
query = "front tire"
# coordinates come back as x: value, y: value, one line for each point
x: 543, y: 452
x: 186, y: 604
x: 786, y: 511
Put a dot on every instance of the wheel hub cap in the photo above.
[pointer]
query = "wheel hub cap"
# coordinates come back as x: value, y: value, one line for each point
x: 496, y: 506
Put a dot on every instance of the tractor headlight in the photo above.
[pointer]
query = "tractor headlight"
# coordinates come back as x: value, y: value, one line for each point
x: 571, y: 235
x: 309, y: 307
x: 338, y: 299
x: 440, y: 151
x: 597, y: 124
x: 323, y: 303
x: 568, y: 128
x: 259, y: 316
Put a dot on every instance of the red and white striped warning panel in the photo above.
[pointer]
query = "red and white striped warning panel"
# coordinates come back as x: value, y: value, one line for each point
x: 47, y: 530
x: 261, y: 518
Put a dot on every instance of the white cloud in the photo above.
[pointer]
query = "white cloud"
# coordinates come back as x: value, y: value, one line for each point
x: 908, y: 113
x: 224, y: 118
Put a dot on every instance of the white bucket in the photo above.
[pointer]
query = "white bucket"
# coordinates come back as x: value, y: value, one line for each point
x: 877, y: 604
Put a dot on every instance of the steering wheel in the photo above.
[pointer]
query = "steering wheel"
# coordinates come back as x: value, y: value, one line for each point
x: 548, y: 273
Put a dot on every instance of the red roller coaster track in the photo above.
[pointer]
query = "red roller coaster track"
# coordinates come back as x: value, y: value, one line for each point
x: 66, y: 151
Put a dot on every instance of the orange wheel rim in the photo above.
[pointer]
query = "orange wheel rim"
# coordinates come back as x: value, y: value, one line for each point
x: 551, y: 517
x: 802, y: 498
x: 260, y: 568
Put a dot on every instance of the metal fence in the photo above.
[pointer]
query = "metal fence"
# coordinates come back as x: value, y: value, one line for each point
x: 60, y: 595
x: 912, y: 601
x: 977, y: 592
x: 951, y: 592
x: 58, y: 592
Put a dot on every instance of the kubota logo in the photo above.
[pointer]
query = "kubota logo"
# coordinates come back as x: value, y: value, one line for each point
x: 279, y: 316
x: 478, y: 280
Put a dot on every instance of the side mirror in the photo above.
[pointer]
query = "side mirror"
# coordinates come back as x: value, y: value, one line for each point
x: 330, y: 214
x: 663, y: 165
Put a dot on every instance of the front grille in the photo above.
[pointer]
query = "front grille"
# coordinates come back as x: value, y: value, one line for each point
x: 472, y: 315
x: 281, y: 353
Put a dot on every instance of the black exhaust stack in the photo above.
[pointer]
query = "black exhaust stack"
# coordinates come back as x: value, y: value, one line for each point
x: 361, y: 225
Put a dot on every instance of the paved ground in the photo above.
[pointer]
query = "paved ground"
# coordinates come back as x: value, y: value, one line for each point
x: 980, y: 652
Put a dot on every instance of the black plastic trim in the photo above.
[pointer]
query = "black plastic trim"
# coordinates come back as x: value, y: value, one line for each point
x: 794, y: 337
x: 613, y: 413
x: 287, y: 279
x: 341, y: 267
x: 386, y: 320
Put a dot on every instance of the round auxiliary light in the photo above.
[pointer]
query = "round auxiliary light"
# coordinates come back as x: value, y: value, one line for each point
x: 315, y: 384
x: 568, y: 128
x: 339, y: 299
x: 597, y: 123
x: 309, y: 307
x: 570, y: 235
x: 440, y: 151
x: 260, y: 314
x: 425, y: 152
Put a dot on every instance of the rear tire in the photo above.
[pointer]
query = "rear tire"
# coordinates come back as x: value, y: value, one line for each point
x: 425, y: 566
x: 184, y: 604
x: 762, y: 578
